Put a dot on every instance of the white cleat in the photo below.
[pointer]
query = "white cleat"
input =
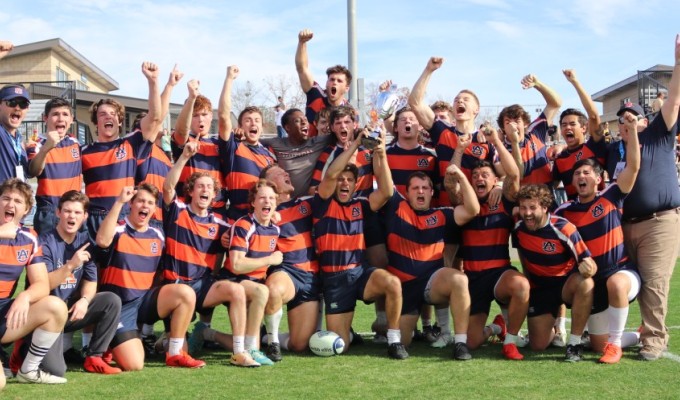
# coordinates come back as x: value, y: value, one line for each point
x: 442, y: 341
x: 560, y: 339
x: 39, y: 376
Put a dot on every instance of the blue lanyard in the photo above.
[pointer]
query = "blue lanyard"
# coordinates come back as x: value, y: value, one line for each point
x: 622, y: 151
x: 16, y: 144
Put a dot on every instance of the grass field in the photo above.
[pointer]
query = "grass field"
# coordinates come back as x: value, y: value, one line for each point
x: 366, y: 373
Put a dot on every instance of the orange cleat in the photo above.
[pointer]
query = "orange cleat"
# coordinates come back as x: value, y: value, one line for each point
x: 611, y: 354
x: 183, y: 360
x: 97, y: 365
x: 511, y: 352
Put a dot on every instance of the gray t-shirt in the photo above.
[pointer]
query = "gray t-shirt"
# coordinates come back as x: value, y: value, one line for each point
x: 298, y: 161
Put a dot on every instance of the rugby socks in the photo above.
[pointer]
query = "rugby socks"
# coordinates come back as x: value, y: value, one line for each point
x: 505, y: 313
x: 238, y: 344
x: 443, y: 320
x: 460, y: 338
x: 630, y: 339
x: 381, y: 317
x: 175, y: 346
x: 147, y: 330
x: 272, y: 322
x: 561, y: 323
x: 510, y: 338
x: 251, y: 342
x: 393, y: 336
x: 67, y: 341
x: 85, y: 338
x: 40, y: 345
x: 574, y: 339
x: 617, y: 323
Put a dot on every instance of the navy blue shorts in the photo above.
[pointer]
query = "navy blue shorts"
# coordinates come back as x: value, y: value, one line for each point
x: 230, y: 276
x: 482, y: 285
x: 374, y: 229
x: 413, y: 294
x: 341, y: 290
x: 547, y: 299
x: 201, y: 287
x: 142, y: 310
x: 5, y: 304
x: 307, y: 285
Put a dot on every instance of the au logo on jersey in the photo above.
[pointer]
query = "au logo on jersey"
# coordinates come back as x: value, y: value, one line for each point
x: 532, y: 146
x: 549, y: 247
x: 121, y: 153
x: 356, y: 212
x: 431, y: 220
x: 598, y: 210
x: 212, y: 231
x: 154, y: 248
x: 579, y: 155
x: 477, y: 151
x: 272, y: 244
x: 368, y: 156
x: 423, y: 163
x: 493, y: 207
x: 303, y: 209
x: 75, y: 154
x: 22, y: 256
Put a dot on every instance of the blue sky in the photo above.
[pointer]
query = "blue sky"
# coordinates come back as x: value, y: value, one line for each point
x: 488, y: 45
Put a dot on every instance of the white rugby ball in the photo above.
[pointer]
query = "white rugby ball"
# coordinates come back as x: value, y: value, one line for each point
x: 326, y: 343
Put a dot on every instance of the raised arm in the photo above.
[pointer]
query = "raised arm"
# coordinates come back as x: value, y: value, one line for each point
x: 107, y: 230
x: 37, y: 164
x: 422, y: 111
x: 153, y: 120
x: 626, y: 178
x: 190, y: 148
x: 588, y: 105
x: 302, y: 60
x: 5, y: 47
x: 670, y: 107
x: 328, y: 183
x: 512, y: 165
x: 224, y: 108
x: 381, y: 171
x: 553, y: 102
x: 175, y: 76
x: 470, y: 205
x: 183, y: 124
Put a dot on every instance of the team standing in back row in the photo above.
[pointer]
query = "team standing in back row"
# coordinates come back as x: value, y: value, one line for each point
x: 327, y: 216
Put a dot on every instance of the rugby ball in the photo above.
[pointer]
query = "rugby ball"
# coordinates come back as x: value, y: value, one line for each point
x: 326, y: 343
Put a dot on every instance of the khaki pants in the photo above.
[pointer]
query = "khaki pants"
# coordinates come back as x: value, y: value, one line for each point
x: 653, y: 247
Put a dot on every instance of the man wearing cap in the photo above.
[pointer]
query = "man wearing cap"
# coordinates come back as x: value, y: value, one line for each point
x: 14, y: 102
x: 651, y: 212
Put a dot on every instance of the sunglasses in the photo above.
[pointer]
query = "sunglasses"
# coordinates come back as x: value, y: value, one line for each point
x: 23, y: 104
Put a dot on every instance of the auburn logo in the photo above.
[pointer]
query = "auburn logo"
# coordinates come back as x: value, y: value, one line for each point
x: 272, y: 244
x: 549, y: 247
x: 212, y: 231
x: 121, y: 153
x: 579, y: 155
x: 303, y: 209
x: 431, y: 220
x: 423, y: 163
x: 75, y: 154
x: 154, y: 248
x: 477, y: 151
x: 598, y: 210
x: 356, y: 212
x: 22, y: 255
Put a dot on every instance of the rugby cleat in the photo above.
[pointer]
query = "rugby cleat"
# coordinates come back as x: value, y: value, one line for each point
x: 397, y: 351
x: 461, y: 352
x: 574, y: 353
x: 611, y: 354
x: 243, y: 360
x: 39, y: 376
x: 274, y: 352
x: 96, y: 365
x: 511, y: 352
x: 442, y: 341
x: 183, y: 360
x: 196, y: 339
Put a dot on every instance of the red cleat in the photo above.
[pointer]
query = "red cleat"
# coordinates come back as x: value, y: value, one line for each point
x: 97, y: 365
x: 107, y: 357
x: 498, y: 320
x: 511, y: 353
x: 16, y: 359
x: 611, y: 354
x: 183, y: 360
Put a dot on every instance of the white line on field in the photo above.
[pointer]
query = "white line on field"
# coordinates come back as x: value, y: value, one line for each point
x: 671, y: 356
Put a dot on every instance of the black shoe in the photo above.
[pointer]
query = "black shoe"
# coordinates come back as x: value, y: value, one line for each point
x: 274, y: 352
x: 149, y: 343
x: 73, y: 356
x: 574, y: 353
x: 397, y: 351
x: 431, y: 333
x: 461, y: 352
x: 356, y: 340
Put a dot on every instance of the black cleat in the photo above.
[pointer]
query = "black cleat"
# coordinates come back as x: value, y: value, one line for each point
x: 73, y: 356
x: 574, y: 353
x: 397, y: 351
x: 461, y: 351
x: 274, y: 352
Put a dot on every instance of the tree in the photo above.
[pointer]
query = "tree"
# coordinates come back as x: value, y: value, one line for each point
x: 286, y: 87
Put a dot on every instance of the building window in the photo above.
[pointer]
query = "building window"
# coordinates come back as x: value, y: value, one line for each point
x: 81, y: 86
x: 61, y: 77
x: 83, y: 78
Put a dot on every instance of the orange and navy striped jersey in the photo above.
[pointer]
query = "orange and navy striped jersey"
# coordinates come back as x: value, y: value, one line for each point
x: 192, y: 247
x: 534, y: 152
x: 339, y: 232
x: 563, y: 169
x: 254, y: 239
x: 207, y: 159
x: 246, y: 163
x: 416, y: 239
x: 404, y: 162
x: 56, y: 253
x: 445, y: 138
x: 153, y: 169
x: 599, y: 223
x: 486, y: 237
x: 62, y: 172
x: 295, y: 240
x: 110, y: 166
x: 549, y: 252
x: 133, y: 261
x: 15, y: 255
x: 317, y: 100
x: 363, y: 161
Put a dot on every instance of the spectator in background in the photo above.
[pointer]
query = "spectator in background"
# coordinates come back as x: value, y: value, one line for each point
x: 280, y: 132
x: 658, y: 102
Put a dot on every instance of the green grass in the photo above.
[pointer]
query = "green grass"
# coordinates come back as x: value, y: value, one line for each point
x: 366, y: 373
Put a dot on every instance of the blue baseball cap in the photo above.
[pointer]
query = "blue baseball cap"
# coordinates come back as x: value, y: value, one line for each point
x: 632, y: 107
x: 10, y: 92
